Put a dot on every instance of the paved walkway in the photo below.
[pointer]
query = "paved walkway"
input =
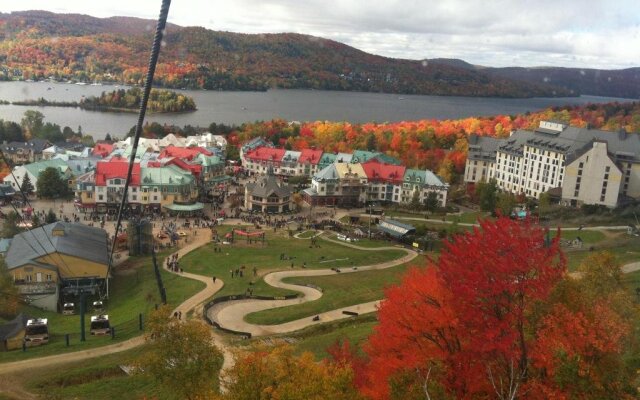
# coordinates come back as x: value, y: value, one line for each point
x: 231, y: 314
x: 440, y: 221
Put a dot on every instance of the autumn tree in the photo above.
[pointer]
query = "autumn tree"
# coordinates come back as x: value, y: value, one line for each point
x: 181, y: 355
x: 585, y: 341
x: 505, y: 203
x: 462, y: 327
x: 32, y: 123
x: 276, y: 373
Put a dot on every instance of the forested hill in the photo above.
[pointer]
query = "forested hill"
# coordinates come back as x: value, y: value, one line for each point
x: 39, y: 45
x: 598, y: 82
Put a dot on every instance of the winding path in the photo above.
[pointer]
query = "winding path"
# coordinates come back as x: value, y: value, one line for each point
x: 193, y: 303
x: 231, y: 314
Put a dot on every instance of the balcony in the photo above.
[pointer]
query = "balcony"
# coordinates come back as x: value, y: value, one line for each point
x: 28, y: 288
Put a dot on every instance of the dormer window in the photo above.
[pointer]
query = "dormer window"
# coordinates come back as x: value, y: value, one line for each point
x: 418, y: 180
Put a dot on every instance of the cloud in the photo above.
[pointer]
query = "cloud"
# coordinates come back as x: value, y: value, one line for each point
x: 585, y: 33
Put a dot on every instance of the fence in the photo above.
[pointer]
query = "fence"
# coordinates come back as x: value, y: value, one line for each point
x: 156, y: 268
x: 246, y: 335
x: 121, y: 330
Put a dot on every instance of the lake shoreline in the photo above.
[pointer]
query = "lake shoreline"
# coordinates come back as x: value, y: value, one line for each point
x: 238, y: 107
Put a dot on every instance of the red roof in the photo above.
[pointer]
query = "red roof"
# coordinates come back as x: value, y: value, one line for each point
x: 377, y: 171
x: 188, y: 153
x: 311, y: 156
x: 102, y: 149
x: 195, y: 169
x: 265, y: 154
x: 117, y: 167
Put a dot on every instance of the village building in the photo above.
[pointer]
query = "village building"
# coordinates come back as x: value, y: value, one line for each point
x: 584, y: 165
x: 59, y: 261
x: 267, y: 195
x: 19, y: 153
x: 33, y: 170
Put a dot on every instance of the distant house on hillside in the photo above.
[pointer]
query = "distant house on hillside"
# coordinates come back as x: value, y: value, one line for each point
x: 20, y: 153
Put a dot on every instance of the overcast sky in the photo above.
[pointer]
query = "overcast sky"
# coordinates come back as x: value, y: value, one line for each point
x: 569, y: 33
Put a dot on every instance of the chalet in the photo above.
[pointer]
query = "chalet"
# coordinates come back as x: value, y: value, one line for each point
x: 33, y: 170
x: 58, y: 261
x: 24, y: 152
x: 268, y: 195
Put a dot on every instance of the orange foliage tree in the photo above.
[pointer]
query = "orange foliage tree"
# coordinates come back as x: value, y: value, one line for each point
x: 496, y: 317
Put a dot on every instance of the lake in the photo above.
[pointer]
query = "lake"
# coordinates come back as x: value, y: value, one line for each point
x: 291, y: 105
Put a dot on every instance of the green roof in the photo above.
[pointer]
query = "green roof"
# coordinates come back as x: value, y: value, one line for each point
x: 208, y: 161
x: 37, y: 167
x: 360, y: 156
x: 387, y: 159
x: 184, y: 207
x: 170, y: 175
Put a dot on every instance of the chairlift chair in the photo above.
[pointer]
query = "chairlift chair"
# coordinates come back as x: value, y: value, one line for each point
x: 100, y: 325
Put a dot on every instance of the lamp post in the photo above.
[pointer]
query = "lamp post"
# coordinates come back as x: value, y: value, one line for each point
x: 370, y: 211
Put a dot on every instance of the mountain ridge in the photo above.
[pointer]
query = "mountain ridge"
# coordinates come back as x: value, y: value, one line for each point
x: 77, y: 47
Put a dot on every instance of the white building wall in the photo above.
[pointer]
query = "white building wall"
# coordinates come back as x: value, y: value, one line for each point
x: 592, y: 178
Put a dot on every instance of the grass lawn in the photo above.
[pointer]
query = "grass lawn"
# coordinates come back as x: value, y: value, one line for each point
x: 307, y: 234
x: 133, y: 291
x: 588, y: 237
x: 267, y: 258
x: 626, y: 248
x: 99, y: 378
x: 318, y: 338
x: 340, y: 290
x: 367, y: 243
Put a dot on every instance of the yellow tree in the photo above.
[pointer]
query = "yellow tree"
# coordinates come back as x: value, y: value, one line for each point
x: 276, y: 373
x: 181, y: 355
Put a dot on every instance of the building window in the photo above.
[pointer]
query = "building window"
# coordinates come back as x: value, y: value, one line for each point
x: 49, y: 277
x: 607, y: 169
x: 100, y: 197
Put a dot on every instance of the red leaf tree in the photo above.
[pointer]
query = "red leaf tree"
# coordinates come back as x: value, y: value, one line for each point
x: 461, y: 328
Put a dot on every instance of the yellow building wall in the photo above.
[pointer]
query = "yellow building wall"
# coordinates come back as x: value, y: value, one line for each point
x: 85, y: 199
x: 29, y: 269
x: 75, y: 267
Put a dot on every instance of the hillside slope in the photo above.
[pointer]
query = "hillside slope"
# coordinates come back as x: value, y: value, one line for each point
x: 39, y: 45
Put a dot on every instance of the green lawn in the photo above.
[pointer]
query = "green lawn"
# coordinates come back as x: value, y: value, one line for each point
x: 307, y: 234
x: 132, y: 292
x: 318, y: 338
x: 265, y: 258
x: 340, y: 290
x: 588, y: 237
x: 367, y: 243
x: 99, y: 378
x: 625, y: 248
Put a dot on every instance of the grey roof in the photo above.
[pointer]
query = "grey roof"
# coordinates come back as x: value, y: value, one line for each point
x: 571, y: 141
x: 14, y: 327
x: 327, y: 173
x: 4, y: 245
x: 267, y: 185
x: 79, y: 240
x: 483, y: 147
x: 37, y: 145
x: 80, y: 166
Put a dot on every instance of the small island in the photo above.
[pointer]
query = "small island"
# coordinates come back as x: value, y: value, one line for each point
x: 121, y: 100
